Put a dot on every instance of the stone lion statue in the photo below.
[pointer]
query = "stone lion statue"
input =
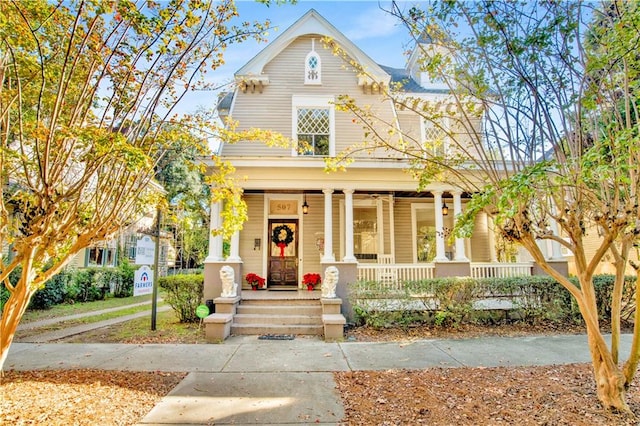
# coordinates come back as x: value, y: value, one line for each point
x: 330, y: 282
x: 229, y: 286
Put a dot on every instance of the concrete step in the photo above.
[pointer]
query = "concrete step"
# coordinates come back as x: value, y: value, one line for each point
x: 280, y: 302
x: 311, y: 310
x: 278, y: 313
x: 251, y: 329
x: 277, y: 319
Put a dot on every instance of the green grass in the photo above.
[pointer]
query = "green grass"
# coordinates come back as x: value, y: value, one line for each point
x: 168, y: 330
x: 86, y: 320
x: 66, y: 309
x: 168, y: 327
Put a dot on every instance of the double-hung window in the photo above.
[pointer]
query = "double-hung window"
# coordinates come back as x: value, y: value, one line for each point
x: 313, y: 131
x: 313, y: 125
x: 434, y: 137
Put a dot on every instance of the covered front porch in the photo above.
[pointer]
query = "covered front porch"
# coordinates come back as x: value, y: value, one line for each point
x: 391, y: 237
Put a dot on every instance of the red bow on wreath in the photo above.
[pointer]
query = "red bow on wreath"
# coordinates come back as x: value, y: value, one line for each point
x: 282, y: 247
x: 282, y: 236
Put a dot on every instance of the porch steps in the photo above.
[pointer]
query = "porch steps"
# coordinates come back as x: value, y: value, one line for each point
x: 276, y: 315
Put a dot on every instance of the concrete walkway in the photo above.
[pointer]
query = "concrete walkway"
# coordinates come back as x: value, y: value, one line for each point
x: 284, y: 382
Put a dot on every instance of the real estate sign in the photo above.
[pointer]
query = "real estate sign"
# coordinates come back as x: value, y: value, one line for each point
x: 143, y: 281
x: 145, y: 248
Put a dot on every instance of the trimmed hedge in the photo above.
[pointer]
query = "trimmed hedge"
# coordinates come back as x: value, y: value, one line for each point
x: 184, y: 293
x: 452, y: 301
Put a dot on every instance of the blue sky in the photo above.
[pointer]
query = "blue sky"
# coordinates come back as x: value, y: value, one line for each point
x: 374, y: 31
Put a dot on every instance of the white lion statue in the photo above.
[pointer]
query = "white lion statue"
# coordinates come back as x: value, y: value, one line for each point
x: 330, y: 282
x: 229, y: 286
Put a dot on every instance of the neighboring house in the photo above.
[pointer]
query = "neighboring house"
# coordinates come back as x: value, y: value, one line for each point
x: 369, y: 221
x: 106, y: 253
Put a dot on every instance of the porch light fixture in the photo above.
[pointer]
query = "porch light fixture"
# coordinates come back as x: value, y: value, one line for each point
x: 305, y: 206
x: 445, y: 209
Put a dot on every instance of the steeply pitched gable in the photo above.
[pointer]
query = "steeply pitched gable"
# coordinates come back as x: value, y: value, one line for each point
x: 310, y: 23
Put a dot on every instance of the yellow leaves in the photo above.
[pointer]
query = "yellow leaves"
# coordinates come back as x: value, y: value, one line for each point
x: 268, y: 137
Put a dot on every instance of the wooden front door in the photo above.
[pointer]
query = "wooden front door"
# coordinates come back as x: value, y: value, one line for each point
x: 283, y: 253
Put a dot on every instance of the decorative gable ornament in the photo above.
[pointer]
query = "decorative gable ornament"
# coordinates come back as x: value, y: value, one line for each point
x: 312, y: 66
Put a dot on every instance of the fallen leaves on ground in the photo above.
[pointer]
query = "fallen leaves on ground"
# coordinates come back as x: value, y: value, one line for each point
x: 81, y: 397
x: 550, y: 395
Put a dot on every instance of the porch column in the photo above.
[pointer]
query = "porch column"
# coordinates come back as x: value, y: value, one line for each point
x: 234, y: 249
x: 328, y: 226
x: 215, y: 241
x: 348, y: 227
x: 440, y: 248
x: 392, y: 228
x: 461, y: 256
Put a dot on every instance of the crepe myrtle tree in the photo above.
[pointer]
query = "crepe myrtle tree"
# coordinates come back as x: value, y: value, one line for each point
x: 542, y: 111
x: 87, y: 102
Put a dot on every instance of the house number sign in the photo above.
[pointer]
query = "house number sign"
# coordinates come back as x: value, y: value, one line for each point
x: 283, y: 207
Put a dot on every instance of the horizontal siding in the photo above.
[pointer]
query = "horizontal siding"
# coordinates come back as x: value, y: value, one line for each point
x: 272, y: 108
x: 312, y: 224
x: 404, y: 234
x: 253, y: 228
x: 480, y: 240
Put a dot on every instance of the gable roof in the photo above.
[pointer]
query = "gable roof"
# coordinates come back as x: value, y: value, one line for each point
x: 311, y: 23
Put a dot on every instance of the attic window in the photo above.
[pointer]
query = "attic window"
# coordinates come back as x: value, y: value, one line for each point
x: 312, y: 67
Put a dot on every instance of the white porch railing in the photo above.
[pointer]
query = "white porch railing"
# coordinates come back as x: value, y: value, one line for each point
x: 392, y: 276
x: 500, y: 270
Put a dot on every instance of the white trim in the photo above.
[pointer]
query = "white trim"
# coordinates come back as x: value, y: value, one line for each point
x: 311, y: 23
x: 313, y: 101
x: 414, y: 229
x: 267, y: 237
x: 445, y: 127
x: 307, y: 68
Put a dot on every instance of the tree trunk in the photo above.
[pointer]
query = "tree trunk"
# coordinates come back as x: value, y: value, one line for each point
x: 11, y: 314
x: 610, y: 381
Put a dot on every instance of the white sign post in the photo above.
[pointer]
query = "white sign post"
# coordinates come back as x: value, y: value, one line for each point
x: 145, y: 249
x: 143, y: 281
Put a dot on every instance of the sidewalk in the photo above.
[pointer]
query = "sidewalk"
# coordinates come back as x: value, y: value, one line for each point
x: 251, y: 381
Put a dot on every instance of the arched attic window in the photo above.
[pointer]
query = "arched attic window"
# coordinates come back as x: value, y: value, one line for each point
x: 312, y: 66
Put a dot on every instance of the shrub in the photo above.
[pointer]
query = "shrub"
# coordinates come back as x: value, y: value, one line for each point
x: 4, y: 296
x: 54, y: 292
x: 83, y: 287
x: 118, y: 281
x: 183, y: 293
x: 452, y: 300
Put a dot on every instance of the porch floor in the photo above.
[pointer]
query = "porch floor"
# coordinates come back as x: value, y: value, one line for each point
x: 297, y: 294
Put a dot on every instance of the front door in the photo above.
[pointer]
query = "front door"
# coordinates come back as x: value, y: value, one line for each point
x: 283, y: 253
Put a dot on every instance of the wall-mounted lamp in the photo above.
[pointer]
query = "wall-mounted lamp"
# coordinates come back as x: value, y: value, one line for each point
x: 257, y: 243
x: 305, y: 206
x: 445, y: 208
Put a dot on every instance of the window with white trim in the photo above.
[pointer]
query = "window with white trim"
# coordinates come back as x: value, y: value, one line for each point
x: 313, y: 125
x: 312, y: 69
x: 312, y: 66
x: 365, y: 232
x: 314, y: 130
x: 434, y: 136
x: 424, y: 233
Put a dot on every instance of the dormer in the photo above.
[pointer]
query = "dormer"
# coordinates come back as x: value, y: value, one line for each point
x: 425, y: 45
